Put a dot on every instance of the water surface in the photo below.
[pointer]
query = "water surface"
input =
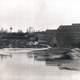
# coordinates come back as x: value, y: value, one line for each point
x: 21, y: 67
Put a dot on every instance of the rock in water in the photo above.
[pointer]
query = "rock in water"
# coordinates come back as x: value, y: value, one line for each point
x: 75, y: 53
x: 75, y: 63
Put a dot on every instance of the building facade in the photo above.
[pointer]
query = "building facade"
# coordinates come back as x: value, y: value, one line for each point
x: 51, y: 37
x: 68, y: 36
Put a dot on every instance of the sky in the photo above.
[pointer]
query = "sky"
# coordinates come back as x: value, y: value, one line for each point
x: 38, y: 14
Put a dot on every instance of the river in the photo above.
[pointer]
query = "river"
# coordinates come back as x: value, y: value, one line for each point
x: 21, y: 67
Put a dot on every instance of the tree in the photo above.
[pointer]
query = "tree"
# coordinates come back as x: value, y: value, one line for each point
x: 11, y: 29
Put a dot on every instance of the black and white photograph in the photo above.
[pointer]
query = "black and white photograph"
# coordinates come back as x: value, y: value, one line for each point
x: 39, y: 39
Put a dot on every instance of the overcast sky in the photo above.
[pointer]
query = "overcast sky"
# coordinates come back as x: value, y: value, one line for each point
x: 40, y: 14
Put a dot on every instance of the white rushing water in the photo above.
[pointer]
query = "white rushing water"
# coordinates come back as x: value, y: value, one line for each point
x: 20, y: 67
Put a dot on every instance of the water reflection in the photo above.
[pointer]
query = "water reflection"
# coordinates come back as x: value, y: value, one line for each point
x: 22, y: 66
x: 5, y: 56
x: 17, y: 56
x: 22, y: 56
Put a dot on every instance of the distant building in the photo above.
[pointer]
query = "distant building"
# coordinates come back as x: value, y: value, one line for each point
x: 51, y: 37
x: 20, y: 39
x: 13, y: 40
x: 47, y: 37
x: 41, y: 37
x: 68, y: 36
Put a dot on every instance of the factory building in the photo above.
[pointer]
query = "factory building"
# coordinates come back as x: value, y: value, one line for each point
x: 68, y: 36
